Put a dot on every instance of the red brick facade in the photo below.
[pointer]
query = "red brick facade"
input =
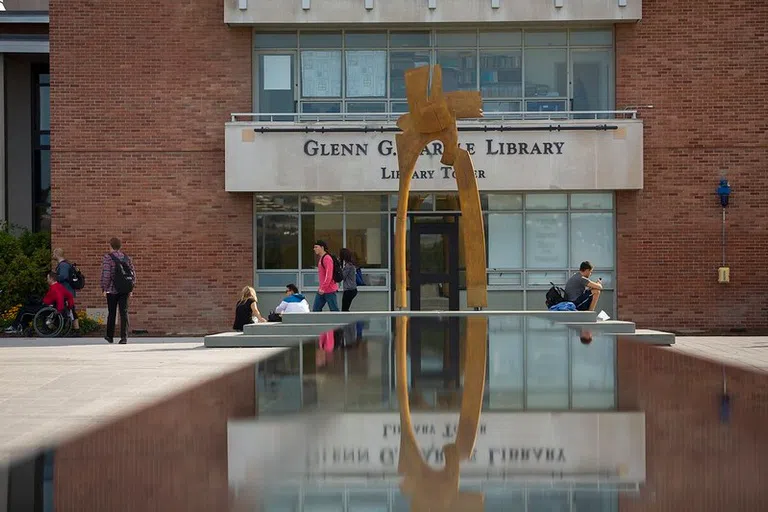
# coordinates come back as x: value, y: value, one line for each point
x: 704, y: 68
x: 139, y: 98
x: 169, y: 457
x: 693, y: 461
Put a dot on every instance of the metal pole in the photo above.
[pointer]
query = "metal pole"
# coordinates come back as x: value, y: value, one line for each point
x: 723, y: 236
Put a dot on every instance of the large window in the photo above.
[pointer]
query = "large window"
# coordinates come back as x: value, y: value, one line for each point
x: 353, y: 72
x: 41, y: 143
x: 533, y: 239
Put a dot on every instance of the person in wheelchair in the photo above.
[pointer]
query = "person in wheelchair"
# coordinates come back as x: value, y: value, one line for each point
x: 58, y: 296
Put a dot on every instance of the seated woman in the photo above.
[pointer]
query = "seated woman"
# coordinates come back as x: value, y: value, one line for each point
x: 246, y: 310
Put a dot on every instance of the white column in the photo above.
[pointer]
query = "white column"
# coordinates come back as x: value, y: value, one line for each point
x: 3, y: 192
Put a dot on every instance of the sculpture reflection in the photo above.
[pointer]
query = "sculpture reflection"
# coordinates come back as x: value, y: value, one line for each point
x: 438, y: 489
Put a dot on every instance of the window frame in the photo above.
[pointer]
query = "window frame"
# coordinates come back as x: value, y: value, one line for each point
x: 38, y: 71
x: 564, y: 99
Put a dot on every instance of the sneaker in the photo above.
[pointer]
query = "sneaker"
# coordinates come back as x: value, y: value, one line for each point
x: 109, y: 340
x: 122, y: 342
x: 11, y: 330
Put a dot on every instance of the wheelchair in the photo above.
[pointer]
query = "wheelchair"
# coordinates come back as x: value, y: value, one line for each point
x: 49, y: 323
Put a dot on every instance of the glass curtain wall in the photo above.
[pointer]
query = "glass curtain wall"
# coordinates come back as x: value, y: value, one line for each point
x: 41, y: 144
x: 533, y: 240
x: 353, y: 72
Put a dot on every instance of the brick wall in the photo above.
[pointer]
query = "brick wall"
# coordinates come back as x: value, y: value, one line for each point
x: 172, y: 456
x: 139, y: 98
x: 704, y: 67
x: 694, y: 462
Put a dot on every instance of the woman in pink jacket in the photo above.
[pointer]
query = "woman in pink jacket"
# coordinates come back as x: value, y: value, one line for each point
x: 326, y: 292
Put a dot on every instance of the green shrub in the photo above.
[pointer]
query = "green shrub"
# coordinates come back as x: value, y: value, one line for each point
x: 24, y: 260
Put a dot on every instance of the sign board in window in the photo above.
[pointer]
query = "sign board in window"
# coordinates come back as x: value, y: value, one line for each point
x: 321, y: 74
x: 277, y: 72
x: 366, y: 74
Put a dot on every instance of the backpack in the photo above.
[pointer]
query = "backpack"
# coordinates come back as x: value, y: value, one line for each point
x: 359, y: 277
x: 555, y: 295
x: 338, y: 275
x: 124, y: 276
x: 76, y: 278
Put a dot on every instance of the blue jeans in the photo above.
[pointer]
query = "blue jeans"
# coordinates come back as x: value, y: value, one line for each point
x: 321, y: 299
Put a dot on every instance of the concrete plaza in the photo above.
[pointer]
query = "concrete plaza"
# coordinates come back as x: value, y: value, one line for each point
x: 53, y: 389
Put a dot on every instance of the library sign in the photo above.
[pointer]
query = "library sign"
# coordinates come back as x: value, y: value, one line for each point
x: 578, y: 446
x: 584, y: 159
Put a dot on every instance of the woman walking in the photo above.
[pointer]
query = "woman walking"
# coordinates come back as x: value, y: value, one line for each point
x: 349, y: 270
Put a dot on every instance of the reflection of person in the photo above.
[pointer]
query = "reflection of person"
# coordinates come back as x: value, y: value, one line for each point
x: 580, y: 290
x: 246, y: 310
x: 585, y: 337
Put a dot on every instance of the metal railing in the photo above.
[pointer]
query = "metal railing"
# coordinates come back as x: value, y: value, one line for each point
x: 391, y: 117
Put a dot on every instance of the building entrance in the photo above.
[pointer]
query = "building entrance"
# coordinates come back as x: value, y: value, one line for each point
x: 432, y: 263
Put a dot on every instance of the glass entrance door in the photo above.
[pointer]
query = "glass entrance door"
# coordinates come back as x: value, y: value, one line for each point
x: 434, y: 266
x: 434, y: 277
x: 277, y: 85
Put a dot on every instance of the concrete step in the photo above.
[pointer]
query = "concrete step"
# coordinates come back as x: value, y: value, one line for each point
x: 650, y: 337
x: 607, y: 327
x: 240, y: 340
x: 288, y: 329
x: 342, y: 318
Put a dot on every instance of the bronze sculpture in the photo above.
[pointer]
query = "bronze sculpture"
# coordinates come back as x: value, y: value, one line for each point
x: 432, y: 118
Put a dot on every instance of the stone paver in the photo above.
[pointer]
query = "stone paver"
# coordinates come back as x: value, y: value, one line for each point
x: 51, y: 389
x: 748, y: 352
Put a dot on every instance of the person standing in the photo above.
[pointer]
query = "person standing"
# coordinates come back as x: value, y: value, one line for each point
x: 326, y: 292
x: 349, y: 270
x: 63, y: 269
x: 116, y: 297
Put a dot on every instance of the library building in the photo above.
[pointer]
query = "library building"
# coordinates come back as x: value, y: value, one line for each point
x: 270, y: 125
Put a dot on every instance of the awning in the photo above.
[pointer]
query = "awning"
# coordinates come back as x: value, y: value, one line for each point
x: 24, y: 44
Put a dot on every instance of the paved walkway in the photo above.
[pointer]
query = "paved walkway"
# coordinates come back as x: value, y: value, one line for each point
x: 51, y: 389
x: 749, y: 352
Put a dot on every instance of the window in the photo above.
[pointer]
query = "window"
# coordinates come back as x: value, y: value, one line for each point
x: 516, y: 70
x: 532, y: 239
x: 547, y: 365
x: 41, y: 158
x: 592, y: 238
x: 546, y: 240
x: 459, y: 69
x: 327, y: 227
x: 367, y: 237
x: 320, y: 74
x: 399, y: 62
x: 366, y: 73
x: 277, y: 242
x: 501, y: 74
